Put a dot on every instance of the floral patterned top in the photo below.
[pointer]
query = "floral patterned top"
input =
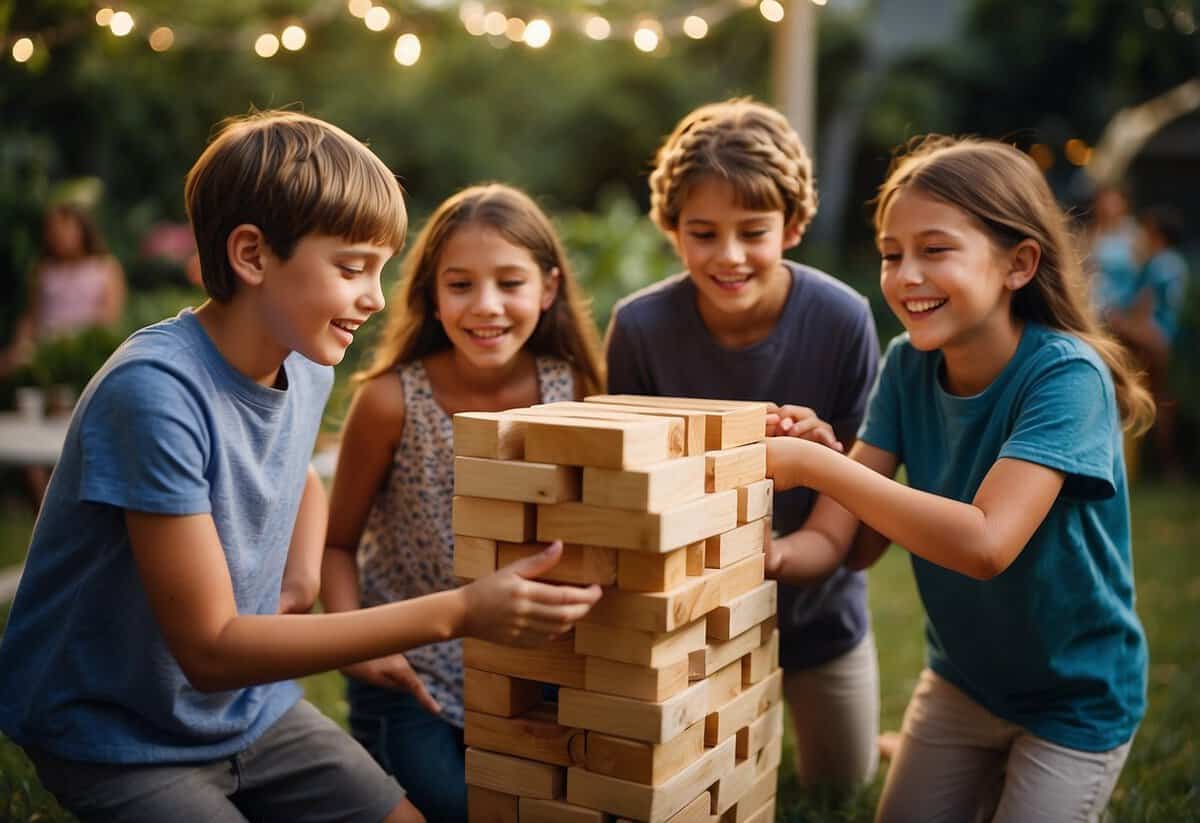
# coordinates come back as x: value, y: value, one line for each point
x: 407, y: 545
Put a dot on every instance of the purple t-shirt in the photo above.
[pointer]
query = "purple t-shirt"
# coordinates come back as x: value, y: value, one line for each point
x: 823, y: 353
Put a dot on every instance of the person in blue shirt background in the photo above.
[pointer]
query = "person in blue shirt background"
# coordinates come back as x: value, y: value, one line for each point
x: 1004, y: 401
x: 1147, y: 321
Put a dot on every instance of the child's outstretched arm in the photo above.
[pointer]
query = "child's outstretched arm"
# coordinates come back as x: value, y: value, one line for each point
x: 187, y: 583
x: 831, y: 536
x: 979, y: 539
x: 302, y: 574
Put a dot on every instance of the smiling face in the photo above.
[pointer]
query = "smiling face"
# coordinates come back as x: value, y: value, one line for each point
x: 733, y: 254
x: 314, y: 301
x: 490, y: 295
x: 942, y: 275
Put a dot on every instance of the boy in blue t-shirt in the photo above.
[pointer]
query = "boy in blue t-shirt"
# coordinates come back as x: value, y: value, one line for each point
x: 146, y: 663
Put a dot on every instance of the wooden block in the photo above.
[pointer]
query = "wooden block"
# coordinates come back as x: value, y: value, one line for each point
x: 639, y: 682
x: 695, y: 812
x: 655, y: 649
x: 720, y: 653
x: 659, y: 611
x: 724, y: 685
x: 762, y: 661
x: 695, y: 558
x: 693, y: 421
x: 770, y: 756
x: 516, y: 480
x: 635, y: 719
x: 650, y: 488
x: 742, y: 710
x: 654, y: 804
x: 728, y: 423
x: 491, y: 806
x: 488, y: 434
x: 553, y: 662
x: 583, y: 565
x: 762, y: 792
x: 733, y: 786
x: 514, y: 775
x: 495, y: 519
x: 474, y: 557
x: 499, y: 694
x: 731, y: 468
x: 756, y: 500
x: 556, y: 811
x: 536, y: 735
x: 721, y: 550
x: 767, y: 626
x: 765, y: 728
x: 607, y: 444
x: 644, y: 572
x: 640, y: 762
x: 766, y: 814
x: 742, y: 612
x: 645, y: 531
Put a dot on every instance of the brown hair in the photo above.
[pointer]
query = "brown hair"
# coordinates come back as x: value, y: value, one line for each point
x: 90, y: 241
x: 290, y: 175
x: 1003, y: 189
x: 413, y: 331
x: 744, y: 142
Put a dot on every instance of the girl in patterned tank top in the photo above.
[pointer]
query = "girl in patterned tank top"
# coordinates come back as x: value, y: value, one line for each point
x: 487, y: 317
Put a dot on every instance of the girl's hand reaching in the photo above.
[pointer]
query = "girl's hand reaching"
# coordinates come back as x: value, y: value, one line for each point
x: 511, y: 607
x: 800, y: 421
x: 394, y: 672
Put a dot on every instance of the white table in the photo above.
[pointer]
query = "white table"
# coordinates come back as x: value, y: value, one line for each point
x: 27, y: 442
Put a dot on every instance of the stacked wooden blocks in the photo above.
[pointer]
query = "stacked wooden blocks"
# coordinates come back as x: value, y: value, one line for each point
x: 668, y: 707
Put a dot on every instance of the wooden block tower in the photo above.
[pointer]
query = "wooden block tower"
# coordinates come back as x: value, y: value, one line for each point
x: 669, y: 700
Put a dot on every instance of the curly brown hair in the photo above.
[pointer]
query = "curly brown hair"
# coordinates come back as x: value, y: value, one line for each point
x: 749, y: 144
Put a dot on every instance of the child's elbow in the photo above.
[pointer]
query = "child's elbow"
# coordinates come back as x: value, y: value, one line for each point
x: 991, y: 564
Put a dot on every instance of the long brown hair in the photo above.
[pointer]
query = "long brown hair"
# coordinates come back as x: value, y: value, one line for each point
x: 1003, y: 189
x: 413, y: 331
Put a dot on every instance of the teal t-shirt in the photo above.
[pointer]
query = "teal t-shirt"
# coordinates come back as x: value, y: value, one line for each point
x: 1053, y: 643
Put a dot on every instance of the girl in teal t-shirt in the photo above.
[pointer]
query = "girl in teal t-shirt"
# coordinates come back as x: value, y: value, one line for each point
x: 1003, y: 400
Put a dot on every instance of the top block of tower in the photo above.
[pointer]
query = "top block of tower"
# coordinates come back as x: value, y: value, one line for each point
x: 728, y: 423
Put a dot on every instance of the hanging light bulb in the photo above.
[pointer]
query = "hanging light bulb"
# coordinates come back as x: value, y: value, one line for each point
x: 597, y: 28
x: 22, y: 50
x: 695, y: 26
x: 162, y: 38
x: 408, y: 49
x: 293, y: 38
x: 121, y: 23
x: 266, y: 45
x: 537, y: 33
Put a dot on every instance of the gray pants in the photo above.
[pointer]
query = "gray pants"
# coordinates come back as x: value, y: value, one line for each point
x: 835, y: 709
x: 959, y: 762
x: 304, y: 768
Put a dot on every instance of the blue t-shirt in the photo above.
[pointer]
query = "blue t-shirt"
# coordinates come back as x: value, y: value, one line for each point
x: 1053, y: 643
x: 167, y: 426
x: 822, y: 353
x: 1165, y: 275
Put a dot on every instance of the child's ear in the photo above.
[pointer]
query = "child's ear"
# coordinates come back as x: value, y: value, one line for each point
x: 792, y: 235
x: 550, y: 287
x: 1023, y: 263
x: 246, y: 247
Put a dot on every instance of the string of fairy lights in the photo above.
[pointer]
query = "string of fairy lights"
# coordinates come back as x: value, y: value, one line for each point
x: 648, y: 33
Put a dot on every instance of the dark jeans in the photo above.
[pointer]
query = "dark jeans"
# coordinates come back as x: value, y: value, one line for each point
x: 423, y: 752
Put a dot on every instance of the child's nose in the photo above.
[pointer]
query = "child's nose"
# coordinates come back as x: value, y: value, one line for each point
x: 731, y: 251
x: 488, y: 300
x: 373, y: 299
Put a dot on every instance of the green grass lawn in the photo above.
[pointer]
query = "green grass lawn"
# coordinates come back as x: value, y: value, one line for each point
x: 1160, y: 782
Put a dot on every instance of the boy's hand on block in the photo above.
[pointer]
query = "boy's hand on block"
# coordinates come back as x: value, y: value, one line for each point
x: 774, y: 554
x: 800, y: 421
x: 510, y: 607
x: 394, y: 672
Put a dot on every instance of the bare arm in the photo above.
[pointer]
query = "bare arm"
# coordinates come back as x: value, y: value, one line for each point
x: 369, y: 438
x: 187, y: 583
x: 979, y: 539
x: 302, y: 574
x: 830, y: 532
